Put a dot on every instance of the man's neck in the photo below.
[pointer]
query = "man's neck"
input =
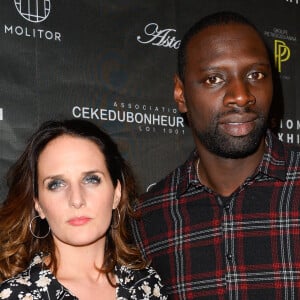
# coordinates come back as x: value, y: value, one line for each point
x: 224, y: 175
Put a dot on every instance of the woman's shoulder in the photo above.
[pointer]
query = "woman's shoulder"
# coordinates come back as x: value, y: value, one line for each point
x: 16, y: 287
x: 36, y: 282
x: 139, y: 284
x: 21, y: 284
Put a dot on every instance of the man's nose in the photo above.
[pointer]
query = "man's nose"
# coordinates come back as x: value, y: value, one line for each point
x: 238, y: 94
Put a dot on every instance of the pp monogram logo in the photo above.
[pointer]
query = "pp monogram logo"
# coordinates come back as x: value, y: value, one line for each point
x: 282, y: 53
x: 35, y: 11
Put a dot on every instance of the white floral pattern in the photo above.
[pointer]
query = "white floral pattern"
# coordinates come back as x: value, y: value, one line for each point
x: 5, y: 293
x: 36, y: 283
x: 139, y: 284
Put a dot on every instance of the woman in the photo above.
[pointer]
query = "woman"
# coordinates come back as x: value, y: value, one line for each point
x: 64, y: 226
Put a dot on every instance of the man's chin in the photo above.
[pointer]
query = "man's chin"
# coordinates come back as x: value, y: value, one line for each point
x: 233, y: 147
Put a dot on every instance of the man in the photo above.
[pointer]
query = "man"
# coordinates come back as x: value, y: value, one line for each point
x: 226, y: 224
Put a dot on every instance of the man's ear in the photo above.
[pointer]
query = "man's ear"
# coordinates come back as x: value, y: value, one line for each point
x: 38, y: 208
x: 179, y: 94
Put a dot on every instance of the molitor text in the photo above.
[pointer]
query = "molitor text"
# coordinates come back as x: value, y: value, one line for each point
x: 32, y: 32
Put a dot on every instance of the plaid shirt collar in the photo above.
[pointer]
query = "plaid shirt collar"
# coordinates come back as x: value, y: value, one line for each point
x: 273, y: 165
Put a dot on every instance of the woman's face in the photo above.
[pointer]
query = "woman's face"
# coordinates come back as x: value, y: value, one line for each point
x: 75, y: 191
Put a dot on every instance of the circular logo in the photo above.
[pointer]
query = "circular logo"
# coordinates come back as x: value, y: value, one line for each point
x: 33, y: 10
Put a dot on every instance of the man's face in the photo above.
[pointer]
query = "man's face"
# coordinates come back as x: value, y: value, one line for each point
x: 227, y: 89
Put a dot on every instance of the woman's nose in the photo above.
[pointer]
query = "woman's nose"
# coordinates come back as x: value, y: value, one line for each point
x: 77, y: 199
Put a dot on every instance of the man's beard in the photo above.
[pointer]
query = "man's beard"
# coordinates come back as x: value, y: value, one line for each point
x: 234, y: 147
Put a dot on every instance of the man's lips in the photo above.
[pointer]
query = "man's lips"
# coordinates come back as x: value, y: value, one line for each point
x: 78, y: 221
x: 238, y: 124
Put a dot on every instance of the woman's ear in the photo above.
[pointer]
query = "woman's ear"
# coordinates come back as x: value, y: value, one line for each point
x: 117, y: 195
x: 179, y: 94
x: 38, y: 208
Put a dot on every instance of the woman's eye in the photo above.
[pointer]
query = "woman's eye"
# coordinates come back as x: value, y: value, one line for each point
x: 211, y: 80
x: 94, y: 179
x: 55, y: 184
x: 256, y: 75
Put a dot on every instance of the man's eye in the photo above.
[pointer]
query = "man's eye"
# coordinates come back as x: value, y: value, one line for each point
x: 55, y: 184
x: 213, y: 80
x: 256, y: 76
x: 94, y: 179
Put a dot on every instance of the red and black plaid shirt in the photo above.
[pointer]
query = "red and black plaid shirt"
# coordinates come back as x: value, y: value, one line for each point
x: 246, y: 246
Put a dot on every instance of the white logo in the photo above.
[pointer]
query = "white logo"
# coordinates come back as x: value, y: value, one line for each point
x: 35, y: 11
x: 1, y: 114
x: 159, y: 37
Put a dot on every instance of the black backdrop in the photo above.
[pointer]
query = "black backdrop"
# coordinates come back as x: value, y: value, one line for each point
x: 113, y: 62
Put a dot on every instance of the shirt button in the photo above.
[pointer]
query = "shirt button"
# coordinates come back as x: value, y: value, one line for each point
x: 229, y: 256
x: 227, y: 207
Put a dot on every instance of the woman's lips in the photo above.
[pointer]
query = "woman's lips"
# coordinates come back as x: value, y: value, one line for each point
x: 78, y: 221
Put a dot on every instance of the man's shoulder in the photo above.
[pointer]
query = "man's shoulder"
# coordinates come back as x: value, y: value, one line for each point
x: 291, y: 147
x: 163, y: 187
x: 281, y: 159
x: 170, y: 183
x: 284, y: 148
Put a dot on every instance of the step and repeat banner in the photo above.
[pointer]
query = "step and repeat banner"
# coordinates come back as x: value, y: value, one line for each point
x: 112, y: 62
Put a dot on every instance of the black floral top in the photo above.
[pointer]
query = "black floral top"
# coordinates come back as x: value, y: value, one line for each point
x: 39, y: 283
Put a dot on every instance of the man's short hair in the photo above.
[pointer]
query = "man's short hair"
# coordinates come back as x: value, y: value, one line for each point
x: 219, y: 18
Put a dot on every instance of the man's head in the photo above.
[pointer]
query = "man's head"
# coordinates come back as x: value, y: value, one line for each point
x: 224, y: 84
x: 219, y: 18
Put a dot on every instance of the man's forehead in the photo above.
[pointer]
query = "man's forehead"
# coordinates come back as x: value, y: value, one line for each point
x: 232, y: 33
x: 218, y: 30
x: 227, y: 45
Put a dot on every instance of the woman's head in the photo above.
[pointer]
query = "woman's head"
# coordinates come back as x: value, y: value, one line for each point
x: 76, y: 128
x: 25, y: 187
x: 75, y: 192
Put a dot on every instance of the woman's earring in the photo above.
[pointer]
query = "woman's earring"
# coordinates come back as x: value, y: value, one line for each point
x: 116, y: 224
x: 37, y: 236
